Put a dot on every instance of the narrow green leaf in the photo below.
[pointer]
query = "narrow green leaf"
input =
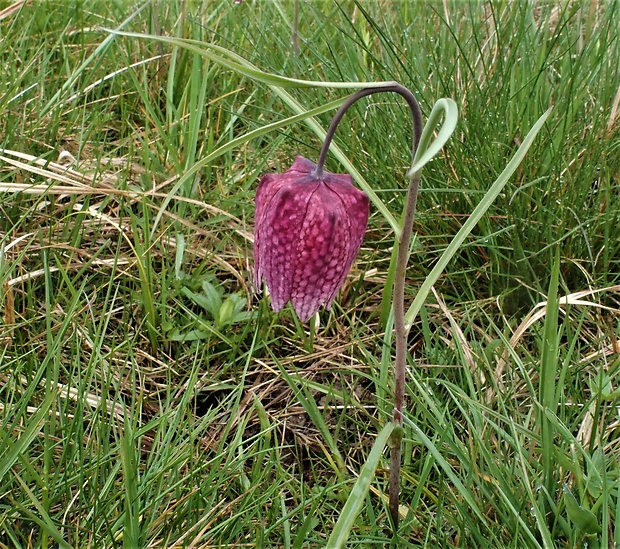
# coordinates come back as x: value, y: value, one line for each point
x: 548, y: 368
x: 29, y: 433
x: 229, y: 59
x: 426, y: 152
x: 388, y: 289
x: 356, y: 498
x: 131, y: 523
x: 473, y: 220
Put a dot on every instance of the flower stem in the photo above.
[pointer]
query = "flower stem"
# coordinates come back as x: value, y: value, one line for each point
x: 392, y: 87
x: 398, y: 298
x: 400, y: 332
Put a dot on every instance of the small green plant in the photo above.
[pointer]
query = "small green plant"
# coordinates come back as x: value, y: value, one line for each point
x: 224, y: 310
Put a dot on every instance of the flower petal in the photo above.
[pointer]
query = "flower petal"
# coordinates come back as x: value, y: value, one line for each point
x: 270, y: 184
x: 355, y: 205
x: 321, y: 253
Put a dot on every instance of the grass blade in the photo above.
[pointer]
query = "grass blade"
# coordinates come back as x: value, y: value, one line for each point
x: 548, y: 368
x: 315, y: 415
x: 18, y: 447
x: 94, y: 57
x: 356, y: 498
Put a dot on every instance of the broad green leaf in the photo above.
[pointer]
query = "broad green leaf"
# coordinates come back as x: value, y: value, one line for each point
x: 226, y: 311
x: 584, y: 519
x: 214, y: 299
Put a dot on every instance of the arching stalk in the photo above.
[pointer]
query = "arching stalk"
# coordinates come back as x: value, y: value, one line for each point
x: 398, y: 298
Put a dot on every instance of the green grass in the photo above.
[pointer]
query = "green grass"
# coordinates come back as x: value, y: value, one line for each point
x: 149, y: 398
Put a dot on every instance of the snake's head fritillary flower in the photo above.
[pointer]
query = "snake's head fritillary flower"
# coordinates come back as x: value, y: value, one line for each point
x: 308, y: 230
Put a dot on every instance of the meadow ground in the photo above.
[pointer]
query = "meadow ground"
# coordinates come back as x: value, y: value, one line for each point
x: 150, y: 398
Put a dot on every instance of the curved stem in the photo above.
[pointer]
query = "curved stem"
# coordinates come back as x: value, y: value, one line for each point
x: 416, y: 114
x: 398, y: 298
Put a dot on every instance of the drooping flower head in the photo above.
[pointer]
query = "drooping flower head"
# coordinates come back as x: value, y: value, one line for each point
x: 308, y: 230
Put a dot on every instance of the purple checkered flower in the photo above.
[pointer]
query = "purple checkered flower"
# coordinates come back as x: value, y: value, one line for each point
x: 308, y: 231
